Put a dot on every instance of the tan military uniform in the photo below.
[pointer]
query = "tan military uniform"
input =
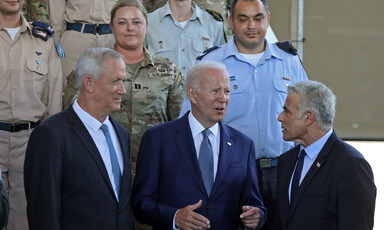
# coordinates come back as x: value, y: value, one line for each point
x: 90, y: 12
x: 30, y: 90
x: 35, y: 10
x: 154, y: 95
x: 221, y: 6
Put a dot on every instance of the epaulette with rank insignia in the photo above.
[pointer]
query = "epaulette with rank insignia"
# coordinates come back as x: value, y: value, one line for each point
x: 216, y: 15
x: 287, y: 47
x: 206, y: 52
x: 44, y: 31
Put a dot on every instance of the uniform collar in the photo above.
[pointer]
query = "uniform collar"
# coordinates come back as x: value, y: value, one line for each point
x: 166, y: 11
x: 25, y: 26
x: 230, y: 49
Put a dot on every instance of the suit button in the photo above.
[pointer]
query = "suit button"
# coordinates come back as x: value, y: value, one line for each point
x: 209, y: 206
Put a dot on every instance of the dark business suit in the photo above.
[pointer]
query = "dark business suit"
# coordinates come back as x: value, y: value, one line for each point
x: 337, y: 193
x: 168, y: 177
x: 66, y: 182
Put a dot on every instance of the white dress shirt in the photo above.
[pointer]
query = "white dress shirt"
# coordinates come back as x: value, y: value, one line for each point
x: 93, y: 127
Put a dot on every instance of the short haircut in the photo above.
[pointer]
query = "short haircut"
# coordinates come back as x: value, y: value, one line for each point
x: 123, y: 3
x: 318, y: 98
x: 194, y: 74
x: 234, y: 2
x: 91, y: 62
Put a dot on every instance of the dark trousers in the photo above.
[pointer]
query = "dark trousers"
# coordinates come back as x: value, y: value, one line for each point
x: 267, y: 177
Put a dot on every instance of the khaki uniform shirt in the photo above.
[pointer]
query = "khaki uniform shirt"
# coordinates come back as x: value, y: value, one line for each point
x: 182, y: 45
x: 30, y: 77
x: 221, y: 6
x: 82, y: 11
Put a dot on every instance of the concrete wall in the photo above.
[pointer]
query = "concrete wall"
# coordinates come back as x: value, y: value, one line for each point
x: 343, y: 48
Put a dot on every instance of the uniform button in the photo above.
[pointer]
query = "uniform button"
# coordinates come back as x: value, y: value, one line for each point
x: 209, y: 206
x: 182, y: 50
x: 183, y: 67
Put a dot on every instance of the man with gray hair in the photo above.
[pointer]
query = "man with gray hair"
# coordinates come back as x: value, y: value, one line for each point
x: 77, y: 171
x: 323, y: 183
x: 202, y: 173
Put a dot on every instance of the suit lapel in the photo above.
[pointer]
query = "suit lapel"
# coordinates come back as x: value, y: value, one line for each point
x: 314, y: 169
x: 186, y: 147
x: 82, y: 133
x: 225, y: 156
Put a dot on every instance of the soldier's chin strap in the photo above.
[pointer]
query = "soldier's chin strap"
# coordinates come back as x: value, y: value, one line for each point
x: 44, y: 31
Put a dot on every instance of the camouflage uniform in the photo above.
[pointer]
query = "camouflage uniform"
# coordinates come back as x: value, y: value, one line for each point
x: 221, y: 6
x: 35, y: 10
x: 154, y: 95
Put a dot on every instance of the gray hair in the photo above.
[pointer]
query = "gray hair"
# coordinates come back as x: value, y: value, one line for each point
x: 194, y: 74
x: 317, y: 97
x: 91, y: 63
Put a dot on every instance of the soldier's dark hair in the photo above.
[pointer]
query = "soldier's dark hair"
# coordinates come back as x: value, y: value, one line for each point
x: 234, y: 2
x: 123, y: 3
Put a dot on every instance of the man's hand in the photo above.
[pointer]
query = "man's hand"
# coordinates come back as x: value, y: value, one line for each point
x: 250, y: 216
x: 186, y: 218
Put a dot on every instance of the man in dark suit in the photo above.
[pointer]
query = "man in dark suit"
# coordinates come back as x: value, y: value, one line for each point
x: 323, y: 183
x: 195, y: 172
x: 77, y: 171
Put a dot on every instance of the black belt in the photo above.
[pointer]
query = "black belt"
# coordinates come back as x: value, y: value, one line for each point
x: 267, y: 162
x: 90, y: 28
x: 16, y: 127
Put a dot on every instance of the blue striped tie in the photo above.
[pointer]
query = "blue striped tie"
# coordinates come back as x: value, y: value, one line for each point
x: 206, y: 161
x: 114, y: 162
x: 296, y: 177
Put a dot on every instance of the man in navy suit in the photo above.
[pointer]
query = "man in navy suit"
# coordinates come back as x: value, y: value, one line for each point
x: 77, y: 171
x: 174, y: 188
x: 323, y: 183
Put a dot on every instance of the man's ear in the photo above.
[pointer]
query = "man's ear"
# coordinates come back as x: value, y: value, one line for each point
x: 309, y: 117
x: 192, y: 94
x: 231, y: 21
x: 88, y: 83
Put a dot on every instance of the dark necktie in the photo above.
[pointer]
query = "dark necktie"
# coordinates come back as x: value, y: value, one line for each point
x: 206, y: 161
x: 297, y: 175
x: 114, y: 162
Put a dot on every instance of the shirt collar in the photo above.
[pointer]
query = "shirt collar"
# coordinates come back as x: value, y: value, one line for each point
x: 230, y: 49
x: 197, y: 127
x: 166, y: 11
x: 314, y: 149
x: 86, y: 118
x: 23, y: 27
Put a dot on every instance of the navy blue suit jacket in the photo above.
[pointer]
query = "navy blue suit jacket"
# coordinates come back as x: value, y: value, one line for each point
x: 66, y: 182
x: 337, y: 193
x: 168, y: 177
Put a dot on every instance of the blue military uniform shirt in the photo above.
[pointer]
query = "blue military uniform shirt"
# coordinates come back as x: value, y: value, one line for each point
x: 258, y: 94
